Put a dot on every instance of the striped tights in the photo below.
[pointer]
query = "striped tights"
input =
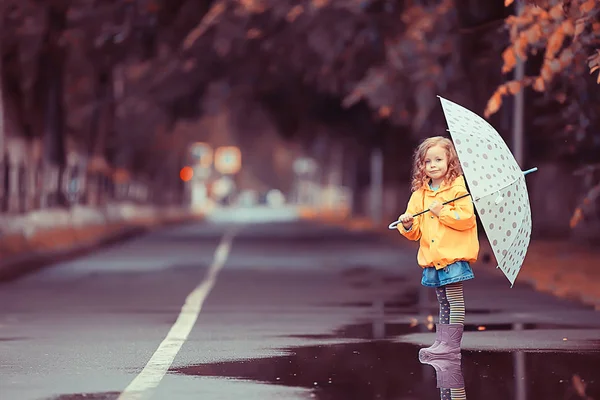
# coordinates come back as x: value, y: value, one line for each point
x: 453, y: 394
x: 452, y: 311
x: 452, y: 303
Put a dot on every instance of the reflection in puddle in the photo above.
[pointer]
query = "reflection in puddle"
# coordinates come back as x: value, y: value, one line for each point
x: 366, y: 331
x: 449, y: 379
x: 385, y: 370
x: 88, y: 396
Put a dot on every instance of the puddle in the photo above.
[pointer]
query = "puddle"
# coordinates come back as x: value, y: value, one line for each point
x: 408, y: 302
x: 524, y: 327
x: 389, y: 371
x: 12, y: 339
x: 375, y: 330
x: 364, y: 331
x: 87, y: 396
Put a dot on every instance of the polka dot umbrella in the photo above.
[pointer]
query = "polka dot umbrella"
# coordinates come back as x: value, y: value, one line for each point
x: 496, y: 184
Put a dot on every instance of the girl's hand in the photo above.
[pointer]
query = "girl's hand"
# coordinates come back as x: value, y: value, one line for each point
x: 407, y: 220
x: 436, y: 208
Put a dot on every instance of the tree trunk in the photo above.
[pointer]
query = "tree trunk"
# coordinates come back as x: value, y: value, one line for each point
x: 101, y: 127
x: 50, y: 89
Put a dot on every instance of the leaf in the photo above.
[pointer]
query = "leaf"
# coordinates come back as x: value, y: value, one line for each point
x: 579, y: 27
x: 493, y: 105
x: 568, y: 27
x: 533, y: 34
x: 557, y: 12
x: 514, y: 87
x: 566, y: 56
x: 188, y: 65
x: 555, y: 42
x: 384, y: 111
x: 539, y: 85
x: 253, y: 33
x: 587, y: 6
x: 546, y: 72
x: 211, y: 16
x: 594, y: 59
x: 294, y: 13
x: 594, y: 64
x: 320, y: 3
x: 510, y: 60
x: 555, y: 66
x: 576, y: 218
x: 521, y: 47
x: 579, y: 385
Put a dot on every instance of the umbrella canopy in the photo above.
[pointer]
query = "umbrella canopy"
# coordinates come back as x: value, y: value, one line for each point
x: 496, y: 183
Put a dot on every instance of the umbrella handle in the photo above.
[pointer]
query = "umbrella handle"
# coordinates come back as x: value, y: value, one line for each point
x: 394, y: 224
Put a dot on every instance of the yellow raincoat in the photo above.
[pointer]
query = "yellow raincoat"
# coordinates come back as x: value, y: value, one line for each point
x: 451, y: 237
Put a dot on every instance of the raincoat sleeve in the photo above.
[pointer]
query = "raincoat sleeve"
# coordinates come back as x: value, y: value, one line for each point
x: 414, y: 206
x: 459, y: 215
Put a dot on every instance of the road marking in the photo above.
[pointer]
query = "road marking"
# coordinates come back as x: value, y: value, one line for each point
x: 163, y: 357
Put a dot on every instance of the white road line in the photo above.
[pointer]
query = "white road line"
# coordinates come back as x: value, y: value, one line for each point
x: 149, y: 378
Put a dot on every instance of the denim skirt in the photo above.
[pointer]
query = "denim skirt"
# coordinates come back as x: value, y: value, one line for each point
x: 455, y: 272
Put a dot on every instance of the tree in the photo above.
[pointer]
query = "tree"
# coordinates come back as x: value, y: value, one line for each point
x: 561, y: 40
x: 421, y: 61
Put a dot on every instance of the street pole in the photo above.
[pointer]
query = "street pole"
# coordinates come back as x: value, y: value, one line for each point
x: 519, y: 103
x: 376, y: 185
x: 2, y: 127
x: 519, y: 368
x: 517, y: 138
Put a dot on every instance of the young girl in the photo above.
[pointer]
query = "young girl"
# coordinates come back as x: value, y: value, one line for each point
x: 447, y: 235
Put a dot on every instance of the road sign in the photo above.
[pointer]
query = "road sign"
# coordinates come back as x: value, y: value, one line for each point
x: 304, y: 166
x: 228, y: 159
x: 223, y: 187
x: 201, y: 154
x: 202, y: 172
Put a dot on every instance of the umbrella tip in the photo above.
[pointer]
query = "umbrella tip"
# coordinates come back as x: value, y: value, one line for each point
x: 530, y: 170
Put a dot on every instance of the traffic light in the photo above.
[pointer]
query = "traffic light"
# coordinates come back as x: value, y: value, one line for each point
x: 186, y: 173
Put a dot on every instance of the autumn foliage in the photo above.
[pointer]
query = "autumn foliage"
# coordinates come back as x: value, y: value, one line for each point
x: 566, y: 32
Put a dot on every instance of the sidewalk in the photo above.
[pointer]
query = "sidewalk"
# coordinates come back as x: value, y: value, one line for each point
x: 561, y: 268
x: 564, y: 269
x: 30, y: 240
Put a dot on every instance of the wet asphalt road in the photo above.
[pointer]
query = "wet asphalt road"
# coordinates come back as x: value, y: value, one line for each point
x: 276, y: 311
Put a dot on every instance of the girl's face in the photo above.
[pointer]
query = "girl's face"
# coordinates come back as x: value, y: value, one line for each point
x: 436, y: 164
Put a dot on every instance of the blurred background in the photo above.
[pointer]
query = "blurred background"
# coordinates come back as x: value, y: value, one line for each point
x: 117, y: 115
x: 312, y: 105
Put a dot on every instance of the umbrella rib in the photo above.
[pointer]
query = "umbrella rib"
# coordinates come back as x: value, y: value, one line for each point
x: 497, y: 190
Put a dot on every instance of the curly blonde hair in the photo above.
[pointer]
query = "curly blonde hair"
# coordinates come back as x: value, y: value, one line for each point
x: 419, y: 177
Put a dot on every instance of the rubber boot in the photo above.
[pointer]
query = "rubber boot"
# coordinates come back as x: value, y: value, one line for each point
x: 450, y: 340
x: 434, y: 345
x: 448, y: 373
